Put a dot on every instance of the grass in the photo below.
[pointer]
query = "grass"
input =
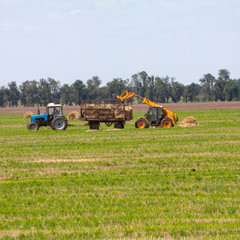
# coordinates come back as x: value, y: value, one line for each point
x: 126, y: 184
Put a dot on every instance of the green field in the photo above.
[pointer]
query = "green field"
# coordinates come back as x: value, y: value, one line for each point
x: 125, y: 184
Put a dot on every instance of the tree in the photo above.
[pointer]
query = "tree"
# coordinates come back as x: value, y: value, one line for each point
x: 238, y: 86
x: 224, y: 74
x: 65, y: 92
x: 162, y: 89
x: 55, y: 90
x: 116, y: 87
x: 191, y: 92
x: 79, y: 91
x: 151, y: 88
x: 102, y: 93
x: 13, y: 94
x: 44, y: 91
x: 177, y: 91
x: 92, y: 87
x: 3, y: 96
x: 29, y: 93
x: 207, y: 83
x: 223, y: 77
x: 230, y: 90
x: 140, y: 83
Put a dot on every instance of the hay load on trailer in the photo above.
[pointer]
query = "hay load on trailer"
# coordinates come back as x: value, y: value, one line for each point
x: 105, y: 111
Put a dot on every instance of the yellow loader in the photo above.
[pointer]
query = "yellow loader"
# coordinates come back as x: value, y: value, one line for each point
x: 156, y: 114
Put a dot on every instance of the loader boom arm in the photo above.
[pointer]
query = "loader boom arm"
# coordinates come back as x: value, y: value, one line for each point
x: 126, y: 95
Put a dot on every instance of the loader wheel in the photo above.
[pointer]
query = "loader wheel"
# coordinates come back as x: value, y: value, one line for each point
x: 33, y: 126
x: 141, y: 123
x: 119, y: 125
x: 59, y: 123
x: 167, y: 123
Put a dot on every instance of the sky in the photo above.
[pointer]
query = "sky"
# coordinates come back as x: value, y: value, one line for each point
x: 78, y: 39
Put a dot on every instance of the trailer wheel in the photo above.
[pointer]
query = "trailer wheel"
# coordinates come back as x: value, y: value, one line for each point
x: 167, y: 123
x: 94, y: 125
x: 33, y: 126
x: 59, y: 123
x: 119, y: 125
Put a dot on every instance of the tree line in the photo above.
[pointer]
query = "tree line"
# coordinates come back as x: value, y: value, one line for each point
x: 157, y: 89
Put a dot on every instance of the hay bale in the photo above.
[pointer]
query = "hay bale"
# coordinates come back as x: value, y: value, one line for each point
x: 129, y: 113
x: 109, y: 106
x: 74, y: 115
x: 28, y: 115
x: 188, y: 122
x: 107, y: 111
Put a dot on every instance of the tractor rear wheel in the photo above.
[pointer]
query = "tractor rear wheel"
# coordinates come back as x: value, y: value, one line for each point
x: 59, y: 123
x: 141, y: 123
x: 33, y: 126
x: 119, y: 125
x: 167, y: 123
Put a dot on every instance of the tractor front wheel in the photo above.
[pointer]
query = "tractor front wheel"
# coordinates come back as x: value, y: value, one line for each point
x: 33, y: 126
x: 141, y: 123
x: 167, y: 123
x: 59, y: 123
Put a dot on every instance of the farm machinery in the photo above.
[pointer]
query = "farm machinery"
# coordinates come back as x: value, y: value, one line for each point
x: 105, y: 111
x: 156, y: 114
x: 53, y: 117
x: 93, y: 111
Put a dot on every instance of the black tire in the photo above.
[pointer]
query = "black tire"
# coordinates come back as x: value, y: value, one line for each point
x: 141, y: 123
x: 59, y: 123
x: 94, y: 125
x: 33, y: 126
x: 166, y: 123
x: 119, y: 125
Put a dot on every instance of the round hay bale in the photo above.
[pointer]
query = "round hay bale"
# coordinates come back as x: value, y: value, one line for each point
x: 74, y: 115
x: 28, y: 115
x: 188, y: 122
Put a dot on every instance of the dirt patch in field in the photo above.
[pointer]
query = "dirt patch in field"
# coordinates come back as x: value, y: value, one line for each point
x: 6, y: 178
x: 66, y: 160
x: 136, y: 107
x: 113, y: 129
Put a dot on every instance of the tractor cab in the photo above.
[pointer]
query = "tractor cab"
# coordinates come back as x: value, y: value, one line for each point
x: 154, y: 115
x: 54, y: 109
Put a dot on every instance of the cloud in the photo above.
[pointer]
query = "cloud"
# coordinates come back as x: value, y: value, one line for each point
x: 54, y: 15
x: 10, y: 1
x: 29, y: 27
x: 5, y: 23
x: 75, y: 12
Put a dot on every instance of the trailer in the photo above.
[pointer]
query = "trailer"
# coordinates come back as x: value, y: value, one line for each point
x: 105, y: 111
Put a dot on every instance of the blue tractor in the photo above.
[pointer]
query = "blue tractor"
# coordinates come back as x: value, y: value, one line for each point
x: 53, y: 117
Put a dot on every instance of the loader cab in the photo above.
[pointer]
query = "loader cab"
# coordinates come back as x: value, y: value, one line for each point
x: 154, y: 115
